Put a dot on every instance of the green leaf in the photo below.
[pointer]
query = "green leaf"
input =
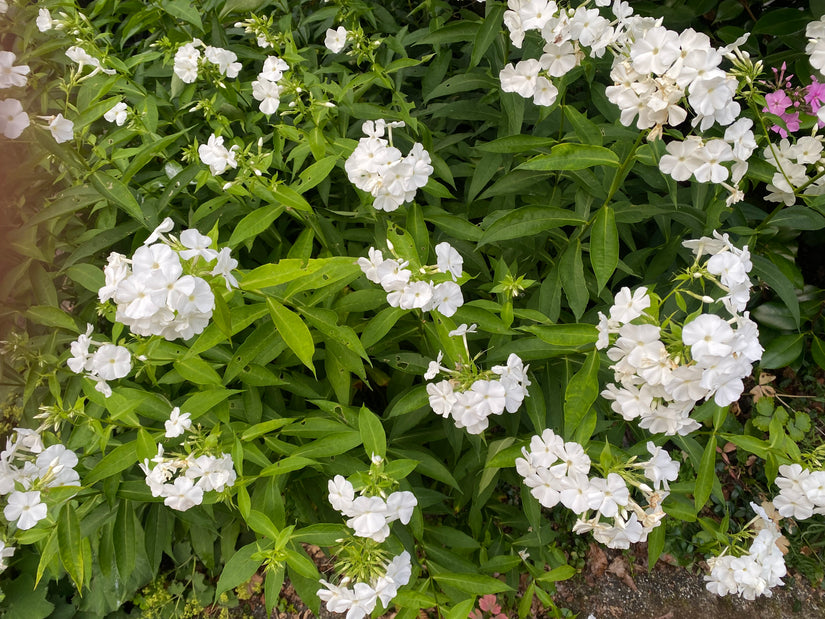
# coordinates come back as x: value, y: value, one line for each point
x: 585, y: 129
x: 581, y: 392
x: 655, y: 545
x: 778, y: 282
x: 114, y: 462
x: 123, y: 536
x: 463, y: 82
x: 572, y: 157
x: 706, y: 474
x: 563, y: 572
x: 316, y: 173
x: 239, y: 569
x: 604, y: 246
x: 326, y: 321
x: 198, y: 371
x: 463, y: 609
x: 410, y: 401
x: 145, y: 154
x: 515, y: 144
x: 380, y: 324
x: 286, y: 270
x: 69, y: 542
x: 286, y: 465
x: 489, y: 31
x: 255, y: 223
x: 475, y: 584
x: 782, y: 351
x: 52, y: 317
x: 818, y: 351
x: 185, y: 10
x: 87, y: 275
x: 527, y: 221
x: 566, y: 336
x: 118, y: 194
x: 261, y: 524
x: 294, y: 331
x: 372, y: 433
x: 572, y: 278
x: 259, y: 429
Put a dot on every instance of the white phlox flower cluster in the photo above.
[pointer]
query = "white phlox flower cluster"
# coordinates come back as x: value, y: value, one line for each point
x: 471, y: 399
x: 417, y: 290
x: 182, y: 481
x: 752, y: 574
x: 557, y: 472
x: 217, y: 156
x: 26, y: 468
x: 815, y: 33
x: 660, y: 387
x: 379, y: 168
x: 188, y: 61
x: 266, y: 89
x: 801, y: 492
x: 795, y: 163
x: 159, y: 290
x: 370, y: 516
x: 655, y: 69
x: 359, y: 599
x: 705, y: 160
x: 108, y: 362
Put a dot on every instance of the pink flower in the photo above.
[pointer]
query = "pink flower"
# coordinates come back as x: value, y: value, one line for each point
x: 778, y: 102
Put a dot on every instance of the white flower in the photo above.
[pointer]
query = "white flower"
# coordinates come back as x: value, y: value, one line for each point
x: 520, y: 78
x: 5, y: 552
x: 111, y: 362
x: 627, y: 306
x: 400, y: 506
x: 13, y: 120
x: 81, y: 359
x: 447, y: 298
x: 177, y: 423
x: 44, y: 20
x: 336, y: 40
x: 273, y: 70
x: 216, y: 156
x: 224, y: 267
x: 434, y: 367
x: 341, y: 494
x: 25, y: 508
x: 11, y: 75
x: 463, y: 329
x: 225, y: 60
x: 84, y: 59
x: 182, y: 495
x: 186, y: 62
x: 117, y: 114
x: 448, y: 260
x: 196, y: 244
x: 62, y: 129
x: 268, y: 93
x: 369, y: 518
